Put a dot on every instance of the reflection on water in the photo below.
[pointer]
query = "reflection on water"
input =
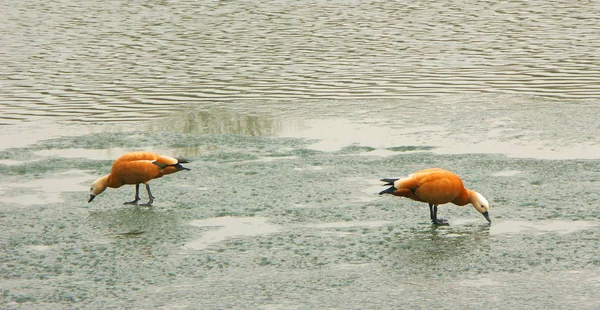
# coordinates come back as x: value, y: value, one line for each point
x: 442, y: 250
x: 133, y: 222
x: 219, y: 121
x: 503, y: 127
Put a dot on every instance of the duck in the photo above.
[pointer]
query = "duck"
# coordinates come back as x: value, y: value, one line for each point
x: 436, y: 186
x: 137, y: 168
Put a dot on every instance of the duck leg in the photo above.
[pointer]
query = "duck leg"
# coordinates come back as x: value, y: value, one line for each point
x: 137, y: 196
x: 433, y: 214
x: 150, y: 197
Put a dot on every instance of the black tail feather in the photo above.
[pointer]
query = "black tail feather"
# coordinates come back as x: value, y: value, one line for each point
x: 180, y: 167
x: 389, y: 190
x: 177, y: 166
x: 389, y: 181
x: 181, y: 160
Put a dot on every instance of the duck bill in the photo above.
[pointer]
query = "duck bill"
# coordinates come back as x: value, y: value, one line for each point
x: 487, y: 216
x: 92, y: 196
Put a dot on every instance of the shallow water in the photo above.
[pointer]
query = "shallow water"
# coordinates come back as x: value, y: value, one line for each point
x: 290, y: 113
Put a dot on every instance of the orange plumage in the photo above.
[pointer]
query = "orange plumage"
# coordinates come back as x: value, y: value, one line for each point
x: 137, y: 168
x: 436, y: 186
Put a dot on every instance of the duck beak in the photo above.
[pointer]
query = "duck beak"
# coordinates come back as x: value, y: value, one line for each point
x: 92, y: 196
x: 485, y: 214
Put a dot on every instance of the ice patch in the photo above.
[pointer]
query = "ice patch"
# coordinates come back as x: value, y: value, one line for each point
x: 12, y: 162
x: 44, y: 191
x: 561, y: 227
x: 350, y: 224
x: 307, y: 168
x: 506, y: 173
x: 39, y: 248
x: 95, y: 154
x: 227, y: 227
x: 98, y: 154
x: 479, y: 282
x: 379, y: 153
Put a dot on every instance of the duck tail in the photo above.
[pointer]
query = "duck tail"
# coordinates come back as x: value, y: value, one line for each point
x: 181, y: 160
x: 389, y: 181
x: 180, y: 167
x: 389, y: 190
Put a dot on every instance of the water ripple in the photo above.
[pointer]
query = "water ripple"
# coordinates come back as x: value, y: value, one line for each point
x: 122, y: 60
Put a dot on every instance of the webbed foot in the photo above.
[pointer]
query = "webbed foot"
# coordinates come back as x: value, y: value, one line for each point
x: 440, y: 222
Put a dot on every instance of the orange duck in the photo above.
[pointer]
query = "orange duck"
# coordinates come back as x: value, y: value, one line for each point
x: 137, y: 168
x: 437, y: 186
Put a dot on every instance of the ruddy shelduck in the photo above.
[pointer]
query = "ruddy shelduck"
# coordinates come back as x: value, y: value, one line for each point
x: 137, y: 168
x: 437, y: 186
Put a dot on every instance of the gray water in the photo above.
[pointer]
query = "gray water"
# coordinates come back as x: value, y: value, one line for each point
x: 291, y: 112
x: 107, y: 60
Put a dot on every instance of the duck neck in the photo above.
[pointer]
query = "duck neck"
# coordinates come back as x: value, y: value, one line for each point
x: 463, y: 198
x: 108, y: 181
